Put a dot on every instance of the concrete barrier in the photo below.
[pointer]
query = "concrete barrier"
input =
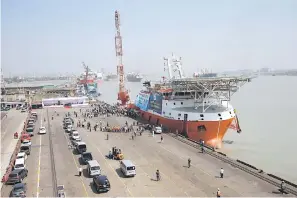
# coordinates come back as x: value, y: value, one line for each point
x: 14, y: 154
x: 281, y: 179
x: 249, y: 165
x: 222, y: 154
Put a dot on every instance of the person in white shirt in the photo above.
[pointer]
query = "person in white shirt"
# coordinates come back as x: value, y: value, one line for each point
x: 222, y: 173
x: 79, y: 171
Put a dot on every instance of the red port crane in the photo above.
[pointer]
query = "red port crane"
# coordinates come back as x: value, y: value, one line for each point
x: 85, y: 81
x: 123, y: 95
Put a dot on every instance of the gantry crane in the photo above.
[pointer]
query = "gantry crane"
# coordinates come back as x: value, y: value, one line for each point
x: 123, y: 95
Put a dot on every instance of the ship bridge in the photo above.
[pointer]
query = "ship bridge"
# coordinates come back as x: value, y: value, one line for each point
x: 207, y: 91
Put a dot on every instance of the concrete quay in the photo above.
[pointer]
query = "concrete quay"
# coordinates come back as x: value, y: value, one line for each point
x: 146, y: 152
x: 14, y: 122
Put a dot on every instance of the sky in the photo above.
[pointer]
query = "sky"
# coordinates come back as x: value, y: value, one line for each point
x: 54, y: 36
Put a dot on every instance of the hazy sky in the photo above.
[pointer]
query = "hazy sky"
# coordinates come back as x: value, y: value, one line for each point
x: 55, y: 36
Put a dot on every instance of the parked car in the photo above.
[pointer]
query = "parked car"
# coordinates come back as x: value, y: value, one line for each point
x: 157, y: 130
x: 74, y: 142
x: 17, y: 176
x: 81, y: 147
x: 19, y: 190
x: 66, y: 124
x: 26, y: 148
x: 27, y: 142
x: 85, y: 157
x: 21, y: 155
x: 42, y: 130
x: 75, y: 135
x: 101, y: 183
x: 25, y: 136
x: 30, y: 130
x: 69, y: 128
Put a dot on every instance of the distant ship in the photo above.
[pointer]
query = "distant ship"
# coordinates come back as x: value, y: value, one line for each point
x: 88, y: 81
x: 111, y: 77
x: 133, y: 77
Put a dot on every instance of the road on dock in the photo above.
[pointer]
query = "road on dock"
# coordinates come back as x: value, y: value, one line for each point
x: 146, y: 152
x: 14, y: 122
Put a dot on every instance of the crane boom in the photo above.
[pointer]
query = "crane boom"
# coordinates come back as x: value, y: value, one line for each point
x: 122, y: 94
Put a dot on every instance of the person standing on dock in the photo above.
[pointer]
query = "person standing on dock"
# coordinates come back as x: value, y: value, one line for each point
x: 189, y: 163
x: 222, y: 173
x: 202, y: 146
x: 283, y: 187
x: 79, y: 171
x: 218, y: 193
x: 158, y: 175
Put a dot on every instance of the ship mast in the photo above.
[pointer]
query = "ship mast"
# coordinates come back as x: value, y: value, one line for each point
x: 123, y: 93
x: 173, y: 64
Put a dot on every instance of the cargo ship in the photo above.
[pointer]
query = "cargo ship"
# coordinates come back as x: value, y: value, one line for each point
x: 111, y: 77
x: 134, y: 77
x: 198, y: 108
x: 87, y: 83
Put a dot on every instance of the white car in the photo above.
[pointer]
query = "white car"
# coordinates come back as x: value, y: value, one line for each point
x: 157, y: 130
x: 75, y: 135
x: 27, y: 142
x: 22, y: 155
x: 75, y: 141
x: 42, y: 130
x: 69, y: 128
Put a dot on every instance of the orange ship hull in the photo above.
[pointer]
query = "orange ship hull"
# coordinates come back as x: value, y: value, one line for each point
x: 212, y: 135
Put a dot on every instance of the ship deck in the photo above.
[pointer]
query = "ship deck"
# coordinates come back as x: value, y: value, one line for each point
x: 211, y: 109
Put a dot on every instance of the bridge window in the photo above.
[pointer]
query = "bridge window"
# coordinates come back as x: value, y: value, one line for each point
x: 179, y: 114
x: 174, y: 103
x: 201, y: 128
x: 181, y: 103
x: 219, y: 114
x: 201, y: 115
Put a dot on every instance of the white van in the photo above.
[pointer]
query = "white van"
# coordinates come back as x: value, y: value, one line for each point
x: 127, y: 168
x: 75, y: 135
x: 69, y: 128
x: 93, y: 168
x: 157, y: 130
x: 19, y: 164
x: 22, y: 155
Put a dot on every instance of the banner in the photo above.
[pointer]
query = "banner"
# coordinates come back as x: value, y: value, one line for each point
x: 155, y: 103
x: 142, y: 101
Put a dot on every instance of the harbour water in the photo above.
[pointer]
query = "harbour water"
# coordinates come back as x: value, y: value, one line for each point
x: 267, y: 114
